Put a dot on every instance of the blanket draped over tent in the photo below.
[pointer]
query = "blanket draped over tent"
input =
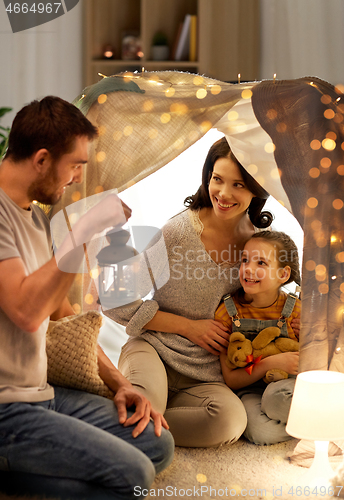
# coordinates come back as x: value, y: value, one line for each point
x: 287, y: 134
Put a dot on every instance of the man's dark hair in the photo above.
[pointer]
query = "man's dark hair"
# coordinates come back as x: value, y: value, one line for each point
x: 51, y: 124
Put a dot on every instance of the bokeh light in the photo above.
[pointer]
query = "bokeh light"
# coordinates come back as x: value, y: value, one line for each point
x: 337, y: 204
x: 269, y: 147
x: 215, y: 89
x: 128, y: 130
x: 314, y: 172
x: 165, y: 118
x: 252, y: 169
x: 77, y: 308
x: 232, y: 116
x: 271, y: 114
x: 170, y: 92
x: 312, y: 202
x: 310, y: 265
x: 89, y: 299
x: 198, y: 80
x: 323, y: 288
x: 325, y: 162
x: 246, y: 94
x: 329, y: 114
x: 201, y: 478
x: 148, y: 105
x: 102, y: 98
x: 76, y: 196
x: 325, y: 99
x: 315, y: 144
x: 100, y: 156
x: 201, y: 93
x: 153, y: 133
x: 328, y: 144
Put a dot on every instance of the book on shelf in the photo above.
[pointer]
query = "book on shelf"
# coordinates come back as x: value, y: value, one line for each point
x: 183, y: 44
x: 176, y: 41
x: 193, y: 39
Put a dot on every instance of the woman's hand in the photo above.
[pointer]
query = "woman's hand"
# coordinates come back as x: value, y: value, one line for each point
x: 128, y: 396
x: 287, y: 361
x: 209, y: 334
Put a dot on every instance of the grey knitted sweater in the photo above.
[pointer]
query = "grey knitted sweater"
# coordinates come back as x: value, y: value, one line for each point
x: 190, y: 284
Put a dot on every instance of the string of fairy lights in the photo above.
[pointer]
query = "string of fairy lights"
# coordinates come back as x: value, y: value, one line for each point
x: 170, y: 89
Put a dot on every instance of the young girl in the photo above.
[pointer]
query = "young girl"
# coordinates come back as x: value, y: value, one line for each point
x: 269, y: 261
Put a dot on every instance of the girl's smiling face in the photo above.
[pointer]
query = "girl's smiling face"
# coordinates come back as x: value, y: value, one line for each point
x: 227, y: 191
x: 261, y: 274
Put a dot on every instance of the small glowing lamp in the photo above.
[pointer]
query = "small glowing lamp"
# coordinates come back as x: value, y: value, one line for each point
x: 108, y: 52
x: 317, y: 414
x: 118, y: 263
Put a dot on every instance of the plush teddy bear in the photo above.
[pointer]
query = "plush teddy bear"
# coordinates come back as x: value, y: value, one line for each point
x: 239, y: 350
x: 244, y: 354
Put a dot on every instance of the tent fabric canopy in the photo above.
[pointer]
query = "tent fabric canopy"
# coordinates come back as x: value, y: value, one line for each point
x: 287, y: 134
x: 141, y: 131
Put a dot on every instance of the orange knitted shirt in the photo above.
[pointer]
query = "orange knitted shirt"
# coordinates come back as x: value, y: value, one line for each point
x: 271, y: 312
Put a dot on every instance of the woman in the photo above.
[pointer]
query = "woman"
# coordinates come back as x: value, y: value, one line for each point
x: 173, y: 357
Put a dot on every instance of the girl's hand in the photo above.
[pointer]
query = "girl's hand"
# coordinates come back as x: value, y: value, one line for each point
x: 296, y: 326
x: 209, y: 334
x: 287, y: 361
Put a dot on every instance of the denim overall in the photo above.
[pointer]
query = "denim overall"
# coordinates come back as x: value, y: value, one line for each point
x: 251, y: 327
x: 267, y: 406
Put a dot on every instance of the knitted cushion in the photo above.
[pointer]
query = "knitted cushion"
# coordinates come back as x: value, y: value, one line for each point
x: 72, y: 353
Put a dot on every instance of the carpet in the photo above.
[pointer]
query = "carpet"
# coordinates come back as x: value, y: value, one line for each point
x: 246, y: 470
x: 242, y: 470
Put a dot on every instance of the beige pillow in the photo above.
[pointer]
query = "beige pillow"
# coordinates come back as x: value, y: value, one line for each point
x: 72, y: 353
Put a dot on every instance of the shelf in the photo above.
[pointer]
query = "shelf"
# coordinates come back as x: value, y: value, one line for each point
x: 142, y: 62
x: 116, y: 62
x: 228, y: 36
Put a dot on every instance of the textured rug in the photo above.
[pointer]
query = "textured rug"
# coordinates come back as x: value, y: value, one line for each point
x: 242, y: 470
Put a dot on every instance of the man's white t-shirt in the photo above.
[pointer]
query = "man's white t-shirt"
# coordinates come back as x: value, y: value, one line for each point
x: 23, y: 360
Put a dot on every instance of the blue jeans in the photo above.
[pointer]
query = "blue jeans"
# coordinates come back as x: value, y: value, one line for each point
x: 73, y: 447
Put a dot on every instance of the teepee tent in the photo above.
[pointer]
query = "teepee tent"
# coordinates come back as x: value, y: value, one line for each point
x: 289, y: 135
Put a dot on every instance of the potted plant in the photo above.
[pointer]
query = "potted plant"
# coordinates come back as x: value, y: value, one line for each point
x: 4, y: 131
x: 160, y: 49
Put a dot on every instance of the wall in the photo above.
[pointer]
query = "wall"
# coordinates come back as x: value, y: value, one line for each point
x: 302, y: 38
x: 40, y: 61
x: 298, y: 38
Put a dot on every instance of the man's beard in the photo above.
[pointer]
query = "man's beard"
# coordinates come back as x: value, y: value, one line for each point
x: 43, y: 189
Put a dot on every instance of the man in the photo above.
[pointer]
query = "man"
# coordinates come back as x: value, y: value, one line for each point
x: 55, y: 441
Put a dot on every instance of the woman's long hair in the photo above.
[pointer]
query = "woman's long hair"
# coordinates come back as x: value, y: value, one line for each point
x: 221, y: 149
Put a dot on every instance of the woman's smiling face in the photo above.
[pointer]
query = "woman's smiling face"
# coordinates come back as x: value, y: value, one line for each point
x: 227, y: 191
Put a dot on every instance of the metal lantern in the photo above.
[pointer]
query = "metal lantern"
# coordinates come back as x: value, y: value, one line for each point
x: 118, y: 265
